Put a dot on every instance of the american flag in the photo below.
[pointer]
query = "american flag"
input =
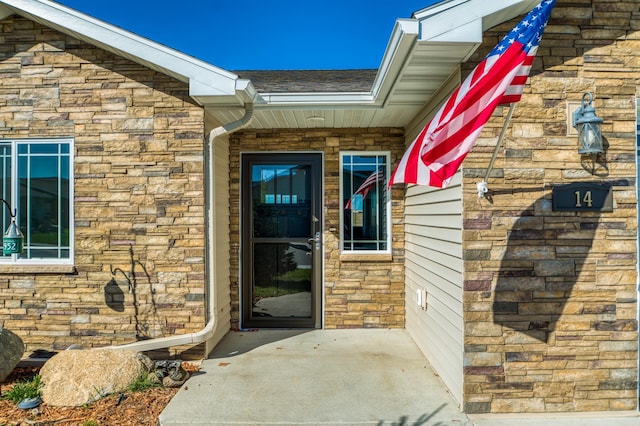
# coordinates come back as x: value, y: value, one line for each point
x: 368, y: 184
x: 438, y: 151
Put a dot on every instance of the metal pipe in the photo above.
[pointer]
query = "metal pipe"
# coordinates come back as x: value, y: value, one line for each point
x: 500, y: 138
x: 482, y: 186
x: 210, y: 328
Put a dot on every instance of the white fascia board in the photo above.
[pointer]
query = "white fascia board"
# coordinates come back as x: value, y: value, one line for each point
x: 247, y: 89
x: 241, y: 87
x: 470, y: 32
x: 245, y: 93
x: 317, y: 100
x: 206, y: 79
x: 451, y: 18
x: 402, y: 41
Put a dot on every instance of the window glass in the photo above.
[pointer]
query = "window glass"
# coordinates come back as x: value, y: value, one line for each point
x: 39, y: 190
x: 281, y: 201
x: 365, y: 203
x: 5, y: 182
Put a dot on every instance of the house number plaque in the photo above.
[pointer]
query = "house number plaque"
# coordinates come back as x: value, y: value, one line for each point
x: 577, y: 197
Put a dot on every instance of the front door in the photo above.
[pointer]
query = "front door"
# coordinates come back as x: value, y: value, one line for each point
x: 281, y: 241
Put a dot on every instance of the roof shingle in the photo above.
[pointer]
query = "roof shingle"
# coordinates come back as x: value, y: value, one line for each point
x: 310, y: 81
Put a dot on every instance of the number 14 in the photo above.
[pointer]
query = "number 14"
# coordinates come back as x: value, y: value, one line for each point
x: 583, y: 199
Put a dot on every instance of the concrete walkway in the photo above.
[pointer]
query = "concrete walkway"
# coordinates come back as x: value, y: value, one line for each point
x: 320, y: 377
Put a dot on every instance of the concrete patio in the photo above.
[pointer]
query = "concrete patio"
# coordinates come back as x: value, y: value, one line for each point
x: 337, y: 377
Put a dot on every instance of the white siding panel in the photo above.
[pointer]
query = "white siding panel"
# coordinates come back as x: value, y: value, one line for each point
x: 430, y: 196
x: 440, y: 252
x: 433, y: 253
x: 220, y: 234
x: 442, y: 233
x: 442, y: 207
x: 445, y: 221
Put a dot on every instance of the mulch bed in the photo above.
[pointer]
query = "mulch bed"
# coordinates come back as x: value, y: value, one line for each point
x: 132, y: 408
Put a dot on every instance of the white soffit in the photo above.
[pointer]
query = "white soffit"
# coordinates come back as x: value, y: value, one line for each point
x: 204, y: 79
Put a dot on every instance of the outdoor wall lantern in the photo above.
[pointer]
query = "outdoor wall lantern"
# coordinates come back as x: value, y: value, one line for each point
x: 12, y: 241
x: 588, y: 126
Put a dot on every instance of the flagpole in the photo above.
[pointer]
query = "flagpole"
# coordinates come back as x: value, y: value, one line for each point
x: 482, y: 186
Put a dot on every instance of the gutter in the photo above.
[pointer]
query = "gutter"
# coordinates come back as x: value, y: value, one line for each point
x: 211, y: 327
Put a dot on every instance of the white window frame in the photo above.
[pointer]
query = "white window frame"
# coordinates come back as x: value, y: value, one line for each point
x: 13, y: 201
x: 387, y: 155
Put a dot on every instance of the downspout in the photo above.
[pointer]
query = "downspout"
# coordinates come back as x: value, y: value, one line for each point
x: 210, y: 328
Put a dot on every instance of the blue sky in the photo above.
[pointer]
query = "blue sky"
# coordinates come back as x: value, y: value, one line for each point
x: 264, y: 34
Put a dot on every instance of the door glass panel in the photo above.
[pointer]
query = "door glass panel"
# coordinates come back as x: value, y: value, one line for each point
x: 281, y: 201
x: 282, y: 280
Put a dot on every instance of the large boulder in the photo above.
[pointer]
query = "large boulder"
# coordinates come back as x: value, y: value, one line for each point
x: 11, y: 351
x: 76, y: 377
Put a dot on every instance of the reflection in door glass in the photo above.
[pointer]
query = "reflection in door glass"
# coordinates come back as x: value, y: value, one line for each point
x: 281, y: 205
x: 282, y: 280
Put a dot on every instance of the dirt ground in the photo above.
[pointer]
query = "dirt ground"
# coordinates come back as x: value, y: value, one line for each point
x: 137, y: 408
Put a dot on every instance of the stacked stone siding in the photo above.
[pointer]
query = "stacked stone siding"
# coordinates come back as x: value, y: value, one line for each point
x: 139, y: 200
x: 550, y: 297
x: 358, y: 292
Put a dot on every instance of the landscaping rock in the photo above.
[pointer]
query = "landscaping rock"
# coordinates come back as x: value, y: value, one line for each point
x: 78, y: 377
x: 11, y: 351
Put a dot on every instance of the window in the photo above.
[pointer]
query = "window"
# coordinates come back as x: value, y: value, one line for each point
x: 36, y: 180
x: 366, y: 218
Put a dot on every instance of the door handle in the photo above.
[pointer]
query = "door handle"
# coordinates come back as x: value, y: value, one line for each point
x: 316, y: 240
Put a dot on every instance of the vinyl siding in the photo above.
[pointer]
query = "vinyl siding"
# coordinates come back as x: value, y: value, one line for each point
x: 433, y: 250
x: 220, y: 228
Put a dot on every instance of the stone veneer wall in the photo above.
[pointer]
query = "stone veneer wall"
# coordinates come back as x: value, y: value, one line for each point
x: 139, y: 197
x: 359, y: 292
x: 550, y: 297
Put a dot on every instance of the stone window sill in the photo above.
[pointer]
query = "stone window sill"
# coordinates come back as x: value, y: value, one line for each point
x: 373, y: 257
x: 37, y: 269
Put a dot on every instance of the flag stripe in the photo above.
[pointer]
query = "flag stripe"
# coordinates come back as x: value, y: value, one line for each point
x: 469, y: 109
x: 476, y: 108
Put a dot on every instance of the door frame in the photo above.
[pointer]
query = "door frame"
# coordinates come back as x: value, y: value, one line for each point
x: 316, y: 159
